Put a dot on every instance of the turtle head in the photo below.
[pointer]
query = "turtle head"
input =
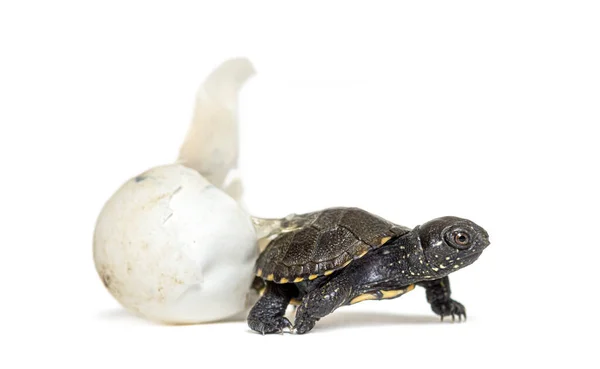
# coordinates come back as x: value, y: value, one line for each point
x: 451, y: 243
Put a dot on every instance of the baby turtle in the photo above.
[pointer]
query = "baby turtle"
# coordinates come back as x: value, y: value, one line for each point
x: 342, y: 256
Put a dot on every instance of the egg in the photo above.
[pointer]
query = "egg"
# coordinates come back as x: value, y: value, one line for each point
x: 174, y: 248
x: 174, y: 244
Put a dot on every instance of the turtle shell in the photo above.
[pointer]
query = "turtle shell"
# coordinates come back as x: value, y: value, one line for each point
x: 326, y: 241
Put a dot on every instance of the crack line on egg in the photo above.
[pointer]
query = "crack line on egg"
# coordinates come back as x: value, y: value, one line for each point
x: 167, y: 218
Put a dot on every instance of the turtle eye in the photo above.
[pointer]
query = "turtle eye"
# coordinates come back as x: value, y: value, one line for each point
x: 459, y: 239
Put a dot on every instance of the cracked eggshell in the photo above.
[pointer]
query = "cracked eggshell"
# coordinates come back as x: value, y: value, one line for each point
x: 173, y: 248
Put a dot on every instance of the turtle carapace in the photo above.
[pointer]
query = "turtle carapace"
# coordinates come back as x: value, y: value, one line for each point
x: 342, y: 256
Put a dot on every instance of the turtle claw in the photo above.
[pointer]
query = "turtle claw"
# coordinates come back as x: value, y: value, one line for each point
x: 274, y: 325
x: 288, y: 328
x: 302, y: 326
x: 285, y: 324
x: 450, y: 308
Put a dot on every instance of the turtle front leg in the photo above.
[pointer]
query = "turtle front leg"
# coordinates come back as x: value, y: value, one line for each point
x: 267, y: 315
x: 321, y: 302
x: 438, y: 295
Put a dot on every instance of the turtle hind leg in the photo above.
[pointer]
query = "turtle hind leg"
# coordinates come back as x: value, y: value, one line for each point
x: 267, y: 315
x: 438, y: 295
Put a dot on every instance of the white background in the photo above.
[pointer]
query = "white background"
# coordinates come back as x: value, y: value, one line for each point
x: 412, y: 110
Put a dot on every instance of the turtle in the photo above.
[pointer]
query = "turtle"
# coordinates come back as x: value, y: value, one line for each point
x: 341, y: 256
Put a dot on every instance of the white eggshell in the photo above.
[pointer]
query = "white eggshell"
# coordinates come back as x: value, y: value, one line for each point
x: 173, y: 248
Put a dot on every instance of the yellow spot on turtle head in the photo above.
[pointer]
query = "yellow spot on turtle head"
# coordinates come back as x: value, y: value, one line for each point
x: 312, y: 276
x: 363, y: 297
x: 384, y: 240
x: 270, y: 277
x: 299, y: 279
x: 259, y: 273
x: 284, y: 280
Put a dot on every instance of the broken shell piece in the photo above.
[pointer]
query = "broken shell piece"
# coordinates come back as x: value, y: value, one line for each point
x: 211, y: 145
x: 173, y: 248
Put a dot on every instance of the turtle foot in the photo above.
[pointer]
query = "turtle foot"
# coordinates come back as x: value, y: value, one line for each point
x: 271, y: 325
x: 450, y: 308
x: 302, y: 326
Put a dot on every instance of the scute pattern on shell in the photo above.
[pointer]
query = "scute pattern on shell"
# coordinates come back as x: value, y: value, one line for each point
x: 327, y: 241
